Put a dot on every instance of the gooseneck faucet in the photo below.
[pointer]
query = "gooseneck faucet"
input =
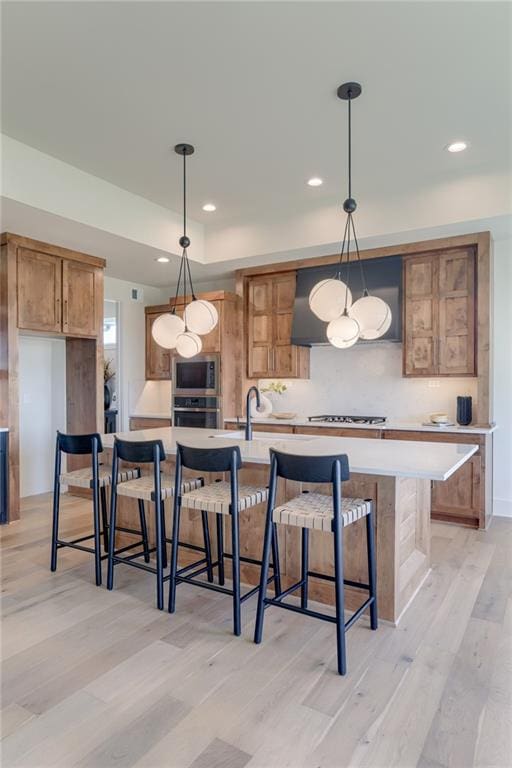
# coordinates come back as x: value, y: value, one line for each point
x: 248, y: 424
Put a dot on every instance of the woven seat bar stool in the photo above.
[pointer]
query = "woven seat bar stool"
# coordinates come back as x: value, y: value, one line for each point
x: 321, y: 512
x: 154, y: 488
x: 221, y: 498
x: 97, y: 478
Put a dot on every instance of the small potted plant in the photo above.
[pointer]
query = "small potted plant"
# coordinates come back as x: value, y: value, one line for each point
x: 277, y: 388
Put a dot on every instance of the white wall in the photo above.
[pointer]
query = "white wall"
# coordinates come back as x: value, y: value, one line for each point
x: 502, y: 388
x: 42, y: 372
x: 132, y: 330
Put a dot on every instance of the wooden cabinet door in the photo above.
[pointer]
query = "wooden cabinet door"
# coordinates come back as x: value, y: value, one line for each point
x: 260, y: 328
x: 461, y: 496
x: 457, y: 313
x: 79, y: 299
x: 158, y: 359
x: 421, y: 316
x: 39, y: 291
x: 284, y: 358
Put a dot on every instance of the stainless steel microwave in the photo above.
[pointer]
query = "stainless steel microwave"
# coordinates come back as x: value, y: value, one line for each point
x: 198, y: 376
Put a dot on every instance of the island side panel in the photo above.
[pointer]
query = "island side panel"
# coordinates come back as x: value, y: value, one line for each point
x: 412, y: 506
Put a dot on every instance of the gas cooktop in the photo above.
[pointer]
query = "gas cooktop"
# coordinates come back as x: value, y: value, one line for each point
x: 349, y: 419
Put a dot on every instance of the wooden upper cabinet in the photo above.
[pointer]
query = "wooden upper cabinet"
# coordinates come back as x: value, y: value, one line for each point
x: 439, y: 314
x: 158, y: 359
x: 78, y: 298
x: 39, y: 291
x: 270, y: 352
x: 58, y: 295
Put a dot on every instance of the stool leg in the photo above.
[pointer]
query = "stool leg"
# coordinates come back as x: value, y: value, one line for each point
x: 370, y: 540
x: 340, y: 598
x: 112, y: 539
x: 55, y: 524
x: 160, y: 543
x: 265, y: 563
x: 220, y: 547
x: 164, y: 536
x: 304, y: 568
x: 275, y: 560
x: 144, y: 530
x: 235, y: 548
x: 207, y: 548
x: 97, y: 533
x: 174, y: 554
x: 104, y: 518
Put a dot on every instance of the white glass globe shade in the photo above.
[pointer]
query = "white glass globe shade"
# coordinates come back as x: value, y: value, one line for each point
x: 343, y: 332
x: 373, y: 316
x: 201, y: 316
x: 188, y: 344
x: 328, y: 298
x: 166, y: 329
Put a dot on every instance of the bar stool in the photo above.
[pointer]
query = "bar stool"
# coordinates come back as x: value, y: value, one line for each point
x: 96, y: 478
x: 325, y: 513
x: 222, y: 498
x: 155, y: 488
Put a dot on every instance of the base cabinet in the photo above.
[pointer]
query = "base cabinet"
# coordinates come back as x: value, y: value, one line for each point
x: 147, y: 422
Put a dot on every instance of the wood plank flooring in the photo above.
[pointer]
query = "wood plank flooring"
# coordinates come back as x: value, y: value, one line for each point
x: 98, y: 679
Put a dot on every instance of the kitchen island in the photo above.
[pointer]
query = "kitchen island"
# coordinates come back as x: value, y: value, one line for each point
x: 395, y: 474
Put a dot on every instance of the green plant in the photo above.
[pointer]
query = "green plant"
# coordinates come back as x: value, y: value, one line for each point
x: 279, y: 387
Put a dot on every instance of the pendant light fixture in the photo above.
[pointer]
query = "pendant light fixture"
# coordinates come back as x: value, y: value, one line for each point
x: 331, y: 300
x: 199, y: 316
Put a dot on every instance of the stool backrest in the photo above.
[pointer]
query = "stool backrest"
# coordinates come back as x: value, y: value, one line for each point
x: 214, y: 459
x: 139, y: 451
x: 79, y: 444
x: 311, y: 469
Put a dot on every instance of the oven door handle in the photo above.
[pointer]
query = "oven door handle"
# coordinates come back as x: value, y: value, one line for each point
x: 197, y: 410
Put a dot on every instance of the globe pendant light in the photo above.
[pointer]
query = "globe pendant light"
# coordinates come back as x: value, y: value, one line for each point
x: 199, y: 316
x: 331, y: 300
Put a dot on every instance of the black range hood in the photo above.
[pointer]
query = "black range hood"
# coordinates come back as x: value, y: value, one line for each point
x: 383, y: 278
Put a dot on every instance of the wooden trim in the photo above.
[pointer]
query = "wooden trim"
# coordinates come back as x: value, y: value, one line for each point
x: 207, y: 296
x: 53, y: 250
x: 419, y: 247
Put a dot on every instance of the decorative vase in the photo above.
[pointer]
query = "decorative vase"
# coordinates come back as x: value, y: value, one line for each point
x: 464, y: 410
x: 107, y: 396
x: 265, y: 409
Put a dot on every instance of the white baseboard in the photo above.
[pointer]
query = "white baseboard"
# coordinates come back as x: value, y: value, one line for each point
x: 502, y: 507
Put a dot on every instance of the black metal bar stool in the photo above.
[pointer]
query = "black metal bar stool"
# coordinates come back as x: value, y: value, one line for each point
x: 325, y: 513
x: 155, y: 488
x: 96, y: 478
x: 222, y: 498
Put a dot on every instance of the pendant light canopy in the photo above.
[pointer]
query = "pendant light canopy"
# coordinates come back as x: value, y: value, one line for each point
x: 199, y: 316
x: 331, y: 300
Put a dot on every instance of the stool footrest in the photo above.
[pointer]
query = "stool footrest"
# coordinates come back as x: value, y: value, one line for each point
x: 347, y: 582
x: 316, y: 614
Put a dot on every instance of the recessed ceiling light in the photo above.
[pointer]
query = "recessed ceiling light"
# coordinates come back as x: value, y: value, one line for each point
x: 315, y: 182
x: 457, y: 146
x: 163, y: 259
x: 209, y: 207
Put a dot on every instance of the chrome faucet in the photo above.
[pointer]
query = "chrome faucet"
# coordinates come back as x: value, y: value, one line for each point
x: 248, y: 424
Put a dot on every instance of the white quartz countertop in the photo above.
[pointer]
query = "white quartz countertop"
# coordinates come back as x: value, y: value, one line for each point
x: 414, y: 426
x: 4, y: 429
x: 431, y: 461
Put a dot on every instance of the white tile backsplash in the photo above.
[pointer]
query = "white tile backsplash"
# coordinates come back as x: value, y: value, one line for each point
x: 366, y: 380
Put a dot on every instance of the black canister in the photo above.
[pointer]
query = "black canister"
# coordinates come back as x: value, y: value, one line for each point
x: 464, y: 410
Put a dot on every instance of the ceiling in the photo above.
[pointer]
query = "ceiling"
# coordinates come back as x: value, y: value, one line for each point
x: 111, y: 87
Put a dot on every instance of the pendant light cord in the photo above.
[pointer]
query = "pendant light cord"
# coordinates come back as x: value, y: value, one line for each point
x: 350, y: 143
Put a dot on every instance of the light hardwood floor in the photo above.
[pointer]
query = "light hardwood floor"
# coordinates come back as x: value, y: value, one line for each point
x: 98, y: 679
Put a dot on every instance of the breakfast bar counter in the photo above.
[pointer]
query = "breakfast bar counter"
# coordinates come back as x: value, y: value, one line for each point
x: 395, y: 474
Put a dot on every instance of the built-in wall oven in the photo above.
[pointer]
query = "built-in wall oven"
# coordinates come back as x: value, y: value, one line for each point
x: 197, y: 393
x: 196, y: 412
